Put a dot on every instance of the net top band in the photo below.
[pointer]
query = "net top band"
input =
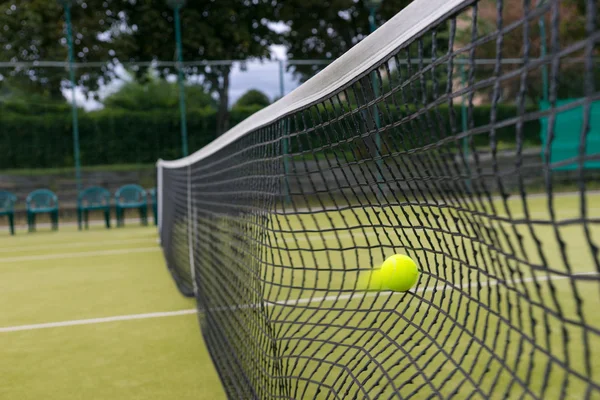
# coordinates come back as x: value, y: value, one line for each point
x: 415, y: 18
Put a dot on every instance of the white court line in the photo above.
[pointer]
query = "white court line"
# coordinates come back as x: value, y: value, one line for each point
x: 512, y: 198
x: 93, y: 321
x: 78, y: 254
x: 357, y: 230
x: 285, y: 303
x: 30, y: 249
x: 388, y: 293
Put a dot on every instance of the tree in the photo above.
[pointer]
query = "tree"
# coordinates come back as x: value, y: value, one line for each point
x: 157, y: 94
x: 571, y: 29
x: 16, y: 101
x: 35, y: 31
x: 211, y: 30
x: 326, y: 29
x: 253, y: 97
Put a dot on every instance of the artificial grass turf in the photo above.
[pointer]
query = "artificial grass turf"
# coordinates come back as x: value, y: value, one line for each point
x: 162, y: 358
x: 70, y: 275
x: 441, y: 345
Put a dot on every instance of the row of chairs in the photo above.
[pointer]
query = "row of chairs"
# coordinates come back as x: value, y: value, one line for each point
x: 95, y: 198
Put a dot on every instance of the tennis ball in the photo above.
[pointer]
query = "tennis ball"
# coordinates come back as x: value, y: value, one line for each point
x: 399, y: 273
x: 370, y: 280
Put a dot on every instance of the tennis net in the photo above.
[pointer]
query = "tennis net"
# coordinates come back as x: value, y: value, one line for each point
x: 465, y: 134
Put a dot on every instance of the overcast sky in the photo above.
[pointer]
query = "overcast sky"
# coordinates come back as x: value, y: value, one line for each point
x: 263, y: 76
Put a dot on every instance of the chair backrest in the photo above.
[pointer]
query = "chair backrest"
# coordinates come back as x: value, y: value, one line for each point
x: 42, y: 198
x: 94, y: 196
x: 130, y: 194
x: 7, y: 201
x: 564, y: 150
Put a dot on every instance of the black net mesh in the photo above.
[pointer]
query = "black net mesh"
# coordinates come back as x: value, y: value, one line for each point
x: 482, y: 172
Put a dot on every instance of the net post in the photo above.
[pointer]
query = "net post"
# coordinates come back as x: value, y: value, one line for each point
x: 190, y: 228
x: 159, y: 197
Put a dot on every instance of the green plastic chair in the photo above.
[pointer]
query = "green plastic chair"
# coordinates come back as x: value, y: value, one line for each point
x: 42, y: 201
x: 131, y: 197
x: 567, y: 133
x: 154, y: 205
x: 93, y: 198
x: 7, y: 207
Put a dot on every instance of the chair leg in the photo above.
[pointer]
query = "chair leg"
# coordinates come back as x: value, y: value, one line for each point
x: 11, y: 223
x: 107, y: 218
x: 32, y: 223
x: 119, y: 213
x: 143, y: 215
x: 86, y: 218
x: 55, y: 220
x: 79, y: 212
x: 155, y: 213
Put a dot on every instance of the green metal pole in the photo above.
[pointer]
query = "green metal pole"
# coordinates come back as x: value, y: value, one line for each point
x: 463, y: 120
x: 543, y: 54
x: 281, y: 83
x: 182, y: 107
x: 373, y: 27
x: 285, y: 149
x: 286, y: 161
x: 67, y: 8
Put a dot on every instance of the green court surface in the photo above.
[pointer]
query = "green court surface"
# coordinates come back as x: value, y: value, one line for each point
x: 477, y: 324
x: 468, y: 325
x: 68, y: 276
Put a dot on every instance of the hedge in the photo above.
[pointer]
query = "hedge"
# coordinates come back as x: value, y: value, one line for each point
x: 120, y: 137
x: 106, y: 137
x: 414, y: 129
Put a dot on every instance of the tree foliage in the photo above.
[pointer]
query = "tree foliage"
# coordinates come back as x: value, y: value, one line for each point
x: 157, y: 94
x: 34, y: 30
x: 211, y: 30
x: 570, y: 29
x: 253, y: 97
x: 113, y: 31
x: 326, y: 29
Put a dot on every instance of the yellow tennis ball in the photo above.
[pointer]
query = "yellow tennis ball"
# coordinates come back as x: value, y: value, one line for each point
x: 399, y: 273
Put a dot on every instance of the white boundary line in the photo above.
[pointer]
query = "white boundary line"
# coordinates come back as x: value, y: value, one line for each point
x: 30, y: 249
x: 93, y: 321
x: 359, y: 295
x: 512, y: 199
x: 355, y: 231
x: 77, y: 255
x: 352, y: 296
